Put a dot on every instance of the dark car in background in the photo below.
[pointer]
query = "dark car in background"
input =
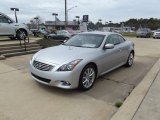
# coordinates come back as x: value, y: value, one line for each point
x: 143, y: 33
x: 60, y: 35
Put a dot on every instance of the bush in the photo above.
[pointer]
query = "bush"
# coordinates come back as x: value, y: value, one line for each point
x: 48, y: 43
x: 118, y: 104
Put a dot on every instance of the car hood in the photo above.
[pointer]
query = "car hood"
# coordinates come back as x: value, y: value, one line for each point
x: 157, y: 32
x: 62, y: 53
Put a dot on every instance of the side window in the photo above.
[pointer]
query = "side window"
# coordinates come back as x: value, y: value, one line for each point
x: 4, y: 19
x: 1, y: 17
x: 113, y: 39
x: 121, y: 39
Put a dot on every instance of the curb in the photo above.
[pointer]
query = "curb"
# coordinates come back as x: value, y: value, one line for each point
x: 134, y: 100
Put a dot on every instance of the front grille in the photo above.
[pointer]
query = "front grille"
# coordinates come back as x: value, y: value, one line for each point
x: 42, y: 66
x: 41, y: 79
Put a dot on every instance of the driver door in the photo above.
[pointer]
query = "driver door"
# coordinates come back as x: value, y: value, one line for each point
x: 111, y: 57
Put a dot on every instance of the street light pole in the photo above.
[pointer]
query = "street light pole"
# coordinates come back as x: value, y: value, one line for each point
x: 78, y: 19
x: 55, y: 14
x: 66, y: 14
x: 37, y: 22
x: 70, y: 9
x: 15, y: 9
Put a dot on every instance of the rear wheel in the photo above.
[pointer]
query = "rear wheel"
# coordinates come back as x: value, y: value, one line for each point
x: 87, y: 77
x: 21, y: 34
x: 130, y: 60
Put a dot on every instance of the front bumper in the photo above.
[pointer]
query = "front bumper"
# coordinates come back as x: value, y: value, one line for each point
x: 156, y: 36
x: 65, y: 80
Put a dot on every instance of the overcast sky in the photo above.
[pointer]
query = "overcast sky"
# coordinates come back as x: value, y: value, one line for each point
x: 107, y: 10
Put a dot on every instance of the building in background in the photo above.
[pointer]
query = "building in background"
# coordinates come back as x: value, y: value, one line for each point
x: 118, y: 29
x: 60, y: 25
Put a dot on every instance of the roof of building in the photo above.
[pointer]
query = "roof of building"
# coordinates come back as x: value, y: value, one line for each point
x: 60, y: 23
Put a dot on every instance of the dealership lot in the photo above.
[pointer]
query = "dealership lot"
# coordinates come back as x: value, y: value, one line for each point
x: 23, y: 98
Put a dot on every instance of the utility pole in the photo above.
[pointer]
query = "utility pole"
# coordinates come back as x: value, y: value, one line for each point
x: 66, y: 22
x: 15, y: 9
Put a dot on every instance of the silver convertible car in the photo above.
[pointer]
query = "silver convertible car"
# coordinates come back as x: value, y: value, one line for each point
x: 79, y: 61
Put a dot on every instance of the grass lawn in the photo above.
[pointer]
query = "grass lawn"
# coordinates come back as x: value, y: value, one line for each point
x: 129, y: 34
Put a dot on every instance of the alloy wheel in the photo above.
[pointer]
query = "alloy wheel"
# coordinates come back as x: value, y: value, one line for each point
x: 88, y: 77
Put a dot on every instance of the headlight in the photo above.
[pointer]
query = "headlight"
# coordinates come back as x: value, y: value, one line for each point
x: 70, y: 66
x: 32, y: 57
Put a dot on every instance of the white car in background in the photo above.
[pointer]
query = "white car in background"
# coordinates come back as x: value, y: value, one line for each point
x: 12, y: 29
x: 156, y: 34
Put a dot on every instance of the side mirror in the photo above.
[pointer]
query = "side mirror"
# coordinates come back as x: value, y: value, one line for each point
x: 9, y: 22
x: 109, y: 46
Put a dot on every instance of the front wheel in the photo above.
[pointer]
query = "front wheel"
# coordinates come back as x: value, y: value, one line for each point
x: 87, y: 77
x: 130, y: 60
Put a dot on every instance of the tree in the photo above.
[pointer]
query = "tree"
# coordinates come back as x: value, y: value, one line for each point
x: 35, y: 22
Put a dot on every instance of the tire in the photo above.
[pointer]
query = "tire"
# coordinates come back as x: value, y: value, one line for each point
x: 130, y: 60
x: 87, y: 77
x: 21, y: 34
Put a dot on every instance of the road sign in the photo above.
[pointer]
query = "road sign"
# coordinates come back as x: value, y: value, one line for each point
x: 85, y: 18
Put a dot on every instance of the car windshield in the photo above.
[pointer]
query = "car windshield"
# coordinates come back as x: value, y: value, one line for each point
x: 61, y: 32
x: 85, y: 40
x: 158, y: 30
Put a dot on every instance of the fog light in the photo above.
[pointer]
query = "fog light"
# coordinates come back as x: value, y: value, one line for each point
x: 65, y: 83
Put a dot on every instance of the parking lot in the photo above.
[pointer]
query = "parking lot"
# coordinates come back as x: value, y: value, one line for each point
x: 21, y: 98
